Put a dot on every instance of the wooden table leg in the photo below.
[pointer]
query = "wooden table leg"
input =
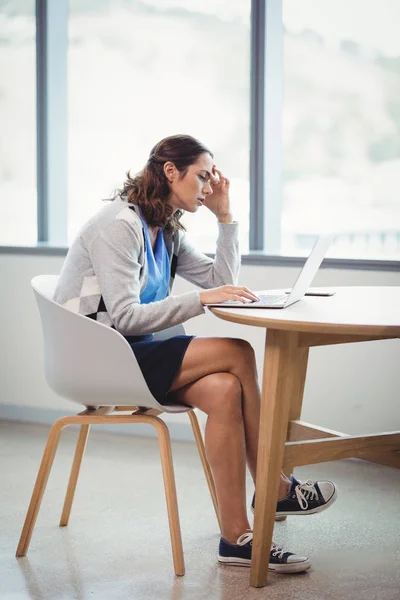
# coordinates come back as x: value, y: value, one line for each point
x: 296, y: 402
x: 279, y: 380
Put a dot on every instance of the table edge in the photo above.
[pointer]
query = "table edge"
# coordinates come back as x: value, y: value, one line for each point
x: 304, y: 326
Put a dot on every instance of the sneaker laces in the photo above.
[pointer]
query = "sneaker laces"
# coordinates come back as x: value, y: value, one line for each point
x: 277, y: 551
x: 246, y: 538
x: 305, y: 491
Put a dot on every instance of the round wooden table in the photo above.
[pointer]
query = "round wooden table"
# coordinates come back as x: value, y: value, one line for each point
x: 353, y: 314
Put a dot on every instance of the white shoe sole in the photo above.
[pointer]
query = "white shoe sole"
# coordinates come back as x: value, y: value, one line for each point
x: 298, y: 567
x: 313, y: 511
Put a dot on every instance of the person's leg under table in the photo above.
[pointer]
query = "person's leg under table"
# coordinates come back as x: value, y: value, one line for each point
x: 219, y: 376
x: 219, y: 396
x: 206, y: 356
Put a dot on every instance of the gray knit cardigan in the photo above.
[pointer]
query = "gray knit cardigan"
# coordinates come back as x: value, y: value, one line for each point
x: 105, y: 271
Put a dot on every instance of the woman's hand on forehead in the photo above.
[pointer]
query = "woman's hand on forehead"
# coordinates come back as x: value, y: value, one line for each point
x: 214, y: 177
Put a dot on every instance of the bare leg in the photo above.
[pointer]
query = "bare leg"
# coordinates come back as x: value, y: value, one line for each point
x: 207, y: 363
x: 219, y: 396
x: 217, y: 355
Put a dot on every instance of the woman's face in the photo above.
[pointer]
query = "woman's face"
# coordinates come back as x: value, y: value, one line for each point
x: 188, y: 192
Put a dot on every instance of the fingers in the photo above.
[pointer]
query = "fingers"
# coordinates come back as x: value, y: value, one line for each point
x: 217, y: 177
x: 252, y: 294
x: 243, y: 293
x: 214, y: 179
x: 222, y: 177
x: 237, y: 298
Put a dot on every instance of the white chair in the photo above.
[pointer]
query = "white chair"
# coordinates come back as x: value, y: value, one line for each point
x: 93, y: 365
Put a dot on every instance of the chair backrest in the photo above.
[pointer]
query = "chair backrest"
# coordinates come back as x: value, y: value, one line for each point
x: 88, y: 362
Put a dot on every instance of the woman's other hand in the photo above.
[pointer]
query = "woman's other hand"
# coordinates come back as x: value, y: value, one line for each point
x: 228, y: 292
x: 218, y: 202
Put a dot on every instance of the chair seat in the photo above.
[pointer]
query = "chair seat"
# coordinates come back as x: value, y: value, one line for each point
x: 90, y: 363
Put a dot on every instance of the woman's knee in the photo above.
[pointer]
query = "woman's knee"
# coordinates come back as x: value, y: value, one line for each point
x: 221, y: 394
x: 242, y: 352
x: 227, y: 388
x: 243, y: 346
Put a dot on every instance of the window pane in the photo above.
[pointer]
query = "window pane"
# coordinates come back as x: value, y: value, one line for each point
x: 18, y: 123
x: 139, y: 71
x: 342, y: 126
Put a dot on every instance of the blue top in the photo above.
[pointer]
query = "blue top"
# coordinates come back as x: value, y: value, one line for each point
x: 158, y: 275
x: 159, y: 271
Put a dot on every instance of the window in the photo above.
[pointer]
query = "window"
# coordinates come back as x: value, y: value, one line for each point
x: 139, y: 71
x: 342, y: 126
x: 18, y: 124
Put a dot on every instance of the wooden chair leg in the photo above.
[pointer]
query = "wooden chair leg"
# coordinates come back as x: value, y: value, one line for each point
x: 206, y: 465
x: 170, y: 493
x: 73, y: 478
x: 40, y: 486
x: 86, y: 419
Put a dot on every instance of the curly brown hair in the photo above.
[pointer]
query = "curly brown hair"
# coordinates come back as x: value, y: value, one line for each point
x: 149, y: 188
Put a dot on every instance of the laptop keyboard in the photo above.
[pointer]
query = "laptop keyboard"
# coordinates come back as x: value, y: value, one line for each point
x: 264, y: 299
x: 271, y: 299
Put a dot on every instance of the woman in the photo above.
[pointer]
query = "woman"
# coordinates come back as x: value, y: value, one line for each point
x: 120, y: 270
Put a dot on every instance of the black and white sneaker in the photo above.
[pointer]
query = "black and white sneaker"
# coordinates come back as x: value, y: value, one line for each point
x: 305, y: 498
x: 280, y: 560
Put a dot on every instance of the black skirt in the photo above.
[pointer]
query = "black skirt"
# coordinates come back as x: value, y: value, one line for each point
x: 159, y: 361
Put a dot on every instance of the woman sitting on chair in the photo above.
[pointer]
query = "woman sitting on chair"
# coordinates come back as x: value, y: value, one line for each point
x: 120, y: 270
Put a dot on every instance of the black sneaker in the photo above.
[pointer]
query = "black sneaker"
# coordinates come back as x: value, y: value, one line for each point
x: 305, y: 498
x: 280, y: 561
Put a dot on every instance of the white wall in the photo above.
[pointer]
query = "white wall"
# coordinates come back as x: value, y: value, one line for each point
x: 352, y: 388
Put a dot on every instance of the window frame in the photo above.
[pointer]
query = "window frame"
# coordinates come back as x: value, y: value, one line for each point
x: 265, y: 139
x: 52, y: 125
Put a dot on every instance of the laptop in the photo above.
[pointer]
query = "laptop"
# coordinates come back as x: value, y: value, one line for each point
x: 299, y: 289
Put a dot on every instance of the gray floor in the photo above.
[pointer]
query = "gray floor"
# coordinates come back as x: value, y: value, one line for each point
x: 117, y: 543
